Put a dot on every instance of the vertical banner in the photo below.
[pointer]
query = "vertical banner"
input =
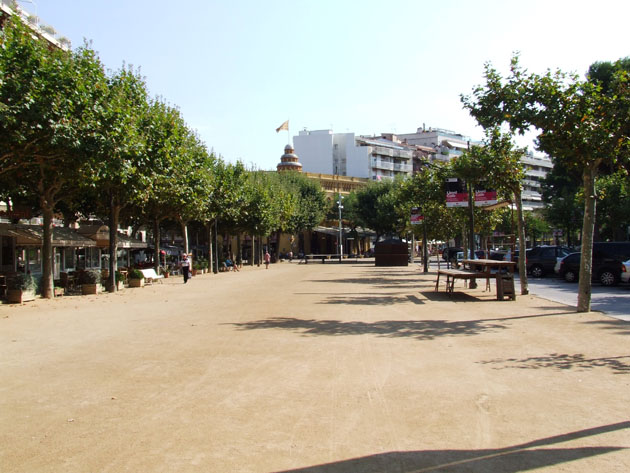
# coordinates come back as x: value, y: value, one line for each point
x: 456, y: 195
x: 416, y: 216
x: 484, y: 196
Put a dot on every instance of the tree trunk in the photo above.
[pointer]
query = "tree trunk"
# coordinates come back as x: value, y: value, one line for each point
x: 210, y: 248
x: 520, y: 226
x: 239, y: 250
x: 588, y: 227
x: 114, y: 213
x: 215, y: 238
x: 47, y: 252
x: 156, y: 244
x: 184, y: 234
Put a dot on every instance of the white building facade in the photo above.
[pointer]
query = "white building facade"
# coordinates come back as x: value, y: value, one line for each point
x: 447, y: 144
x: 536, y: 169
x: 344, y: 154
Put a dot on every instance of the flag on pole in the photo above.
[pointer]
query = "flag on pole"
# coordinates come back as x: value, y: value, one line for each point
x: 284, y: 126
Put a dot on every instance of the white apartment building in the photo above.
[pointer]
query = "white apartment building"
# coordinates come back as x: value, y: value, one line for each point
x: 344, y: 154
x: 536, y: 169
x: 447, y: 144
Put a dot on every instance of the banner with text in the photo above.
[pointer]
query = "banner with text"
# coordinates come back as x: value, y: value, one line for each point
x: 416, y: 216
x: 456, y: 195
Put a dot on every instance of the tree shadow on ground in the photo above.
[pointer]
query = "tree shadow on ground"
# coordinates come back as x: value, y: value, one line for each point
x: 420, y: 330
x: 523, y: 457
x: 456, y: 297
x: 370, y: 299
x: 369, y: 280
x: 557, y: 361
x: 620, y: 327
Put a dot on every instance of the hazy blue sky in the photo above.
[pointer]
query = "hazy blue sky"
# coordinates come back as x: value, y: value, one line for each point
x: 238, y: 69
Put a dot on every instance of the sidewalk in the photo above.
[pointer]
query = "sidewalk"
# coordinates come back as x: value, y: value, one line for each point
x: 311, y: 368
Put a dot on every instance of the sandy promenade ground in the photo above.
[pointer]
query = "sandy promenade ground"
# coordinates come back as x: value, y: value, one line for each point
x: 311, y: 368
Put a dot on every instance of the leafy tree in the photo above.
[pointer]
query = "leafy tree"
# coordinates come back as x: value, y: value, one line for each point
x: 613, y: 205
x: 498, y: 163
x: 580, y: 124
x: 165, y: 134
x: 193, y: 177
x: 564, y: 200
x: 49, y: 103
x: 376, y: 208
x: 535, y: 226
x: 310, y: 201
x: 121, y: 164
x: 227, y: 202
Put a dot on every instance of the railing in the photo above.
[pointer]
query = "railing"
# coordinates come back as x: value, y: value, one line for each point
x: 379, y: 163
x: 403, y: 167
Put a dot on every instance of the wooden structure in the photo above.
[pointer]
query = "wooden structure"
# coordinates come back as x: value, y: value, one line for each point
x: 501, y: 271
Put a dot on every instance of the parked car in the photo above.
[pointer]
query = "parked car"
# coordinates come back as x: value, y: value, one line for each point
x: 569, y: 267
x: 450, y: 252
x: 497, y: 255
x: 541, y: 260
x: 625, y: 271
x: 607, y: 264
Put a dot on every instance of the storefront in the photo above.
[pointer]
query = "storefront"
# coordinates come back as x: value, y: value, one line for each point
x: 22, y: 249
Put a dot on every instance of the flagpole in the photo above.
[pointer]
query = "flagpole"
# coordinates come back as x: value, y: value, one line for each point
x: 288, y: 133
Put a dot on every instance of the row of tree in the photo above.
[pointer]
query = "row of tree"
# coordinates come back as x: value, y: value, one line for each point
x: 77, y: 139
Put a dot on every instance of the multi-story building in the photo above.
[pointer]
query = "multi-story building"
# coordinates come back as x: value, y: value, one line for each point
x: 536, y: 169
x: 44, y: 32
x: 345, y: 154
x: 445, y: 143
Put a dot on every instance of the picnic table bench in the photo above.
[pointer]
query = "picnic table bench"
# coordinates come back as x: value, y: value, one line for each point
x: 453, y: 274
x: 150, y: 276
x: 323, y: 257
x: 483, y: 269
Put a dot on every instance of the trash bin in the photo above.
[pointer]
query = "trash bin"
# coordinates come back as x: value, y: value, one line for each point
x: 391, y: 253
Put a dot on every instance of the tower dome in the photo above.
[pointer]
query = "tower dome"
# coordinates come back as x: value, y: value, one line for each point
x: 289, y: 160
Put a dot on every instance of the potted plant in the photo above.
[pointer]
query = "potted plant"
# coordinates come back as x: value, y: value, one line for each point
x: 120, y: 281
x: 196, y: 269
x: 136, y: 278
x: 90, y: 281
x: 21, y: 288
x: 166, y: 272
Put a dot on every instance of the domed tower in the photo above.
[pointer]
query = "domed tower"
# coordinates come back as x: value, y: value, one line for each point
x: 289, y: 161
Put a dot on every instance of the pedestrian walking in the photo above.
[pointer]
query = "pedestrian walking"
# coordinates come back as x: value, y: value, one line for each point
x: 267, y: 259
x: 185, y: 267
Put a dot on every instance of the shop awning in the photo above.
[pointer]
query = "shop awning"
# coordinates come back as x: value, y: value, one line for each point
x: 32, y: 235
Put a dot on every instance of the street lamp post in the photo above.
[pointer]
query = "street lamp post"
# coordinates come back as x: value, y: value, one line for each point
x: 339, y: 203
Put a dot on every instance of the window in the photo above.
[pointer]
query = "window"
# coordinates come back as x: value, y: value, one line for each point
x: 89, y: 258
x: 7, y: 258
x: 68, y: 258
x: 34, y: 260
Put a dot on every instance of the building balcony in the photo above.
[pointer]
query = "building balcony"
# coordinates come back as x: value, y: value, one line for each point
x: 532, y: 173
x: 382, y: 164
x: 406, y: 168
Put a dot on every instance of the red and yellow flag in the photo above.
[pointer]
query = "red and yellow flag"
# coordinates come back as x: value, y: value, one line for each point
x: 284, y: 126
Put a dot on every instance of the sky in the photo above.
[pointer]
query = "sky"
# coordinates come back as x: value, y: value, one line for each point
x: 238, y: 69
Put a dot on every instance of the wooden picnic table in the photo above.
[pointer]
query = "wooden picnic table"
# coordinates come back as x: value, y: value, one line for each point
x: 501, y: 271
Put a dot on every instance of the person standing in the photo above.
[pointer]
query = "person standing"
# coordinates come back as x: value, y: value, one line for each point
x: 267, y: 259
x: 185, y: 267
